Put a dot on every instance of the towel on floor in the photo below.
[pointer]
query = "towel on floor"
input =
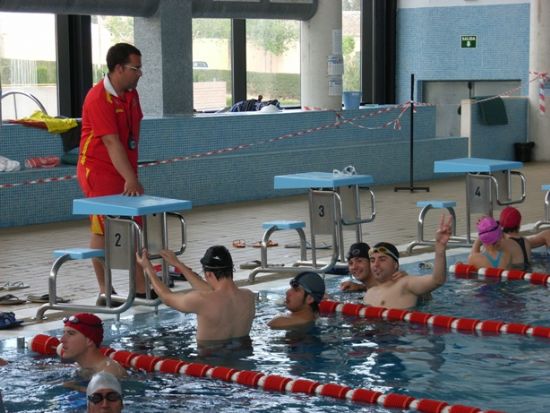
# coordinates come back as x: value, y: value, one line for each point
x: 8, y: 165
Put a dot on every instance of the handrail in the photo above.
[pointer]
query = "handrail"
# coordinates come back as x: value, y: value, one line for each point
x: 29, y: 95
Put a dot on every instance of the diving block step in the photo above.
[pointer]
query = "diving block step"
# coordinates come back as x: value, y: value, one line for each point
x: 79, y: 253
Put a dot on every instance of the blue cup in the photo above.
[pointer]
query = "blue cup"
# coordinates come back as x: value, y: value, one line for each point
x: 352, y: 100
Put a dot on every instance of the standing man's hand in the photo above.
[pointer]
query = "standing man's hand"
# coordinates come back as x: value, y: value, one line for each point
x: 133, y: 188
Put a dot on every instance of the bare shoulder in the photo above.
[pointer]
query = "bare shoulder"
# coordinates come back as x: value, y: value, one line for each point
x: 113, y: 367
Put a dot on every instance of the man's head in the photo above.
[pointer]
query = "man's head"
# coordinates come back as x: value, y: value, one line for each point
x: 104, y: 393
x: 82, y: 331
x: 489, y: 231
x: 217, y: 260
x: 306, y: 288
x: 358, y: 261
x: 510, y: 219
x: 124, y: 64
x: 384, y: 260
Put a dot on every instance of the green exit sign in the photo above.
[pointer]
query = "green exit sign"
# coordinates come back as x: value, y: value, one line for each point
x: 468, y: 42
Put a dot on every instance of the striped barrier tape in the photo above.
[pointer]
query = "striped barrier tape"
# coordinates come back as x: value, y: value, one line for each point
x: 230, y: 149
x: 466, y: 270
x: 48, y: 345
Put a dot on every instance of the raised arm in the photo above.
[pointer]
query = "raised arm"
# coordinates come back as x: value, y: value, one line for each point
x: 185, y: 302
x: 191, y: 276
x: 426, y: 283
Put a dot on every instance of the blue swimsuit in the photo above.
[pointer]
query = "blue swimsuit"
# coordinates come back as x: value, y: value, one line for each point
x: 494, y: 261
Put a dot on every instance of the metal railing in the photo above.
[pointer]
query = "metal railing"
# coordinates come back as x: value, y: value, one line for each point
x: 29, y: 95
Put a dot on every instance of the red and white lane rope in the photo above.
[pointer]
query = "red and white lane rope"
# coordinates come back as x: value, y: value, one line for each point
x: 466, y: 270
x: 51, y: 346
x: 467, y: 325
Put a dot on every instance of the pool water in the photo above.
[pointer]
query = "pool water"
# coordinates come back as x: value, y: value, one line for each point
x: 505, y: 372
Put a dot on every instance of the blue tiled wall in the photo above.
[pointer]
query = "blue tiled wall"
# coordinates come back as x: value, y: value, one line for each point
x: 241, y: 174
x: 428, y: 44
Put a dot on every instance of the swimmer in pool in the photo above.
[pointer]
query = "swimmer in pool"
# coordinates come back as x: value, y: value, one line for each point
x: 302, y: 300
x: 359, y: 268
x: 224, y: 311
x: 82, y: 336
x: 519, y: 246
x: 405, y: 291
x: 495, y: 253
x: 104, y: 394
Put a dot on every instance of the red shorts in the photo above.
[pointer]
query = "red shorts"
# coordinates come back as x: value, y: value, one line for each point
x: 100, y: 184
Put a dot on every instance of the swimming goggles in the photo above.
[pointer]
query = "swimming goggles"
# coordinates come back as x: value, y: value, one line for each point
x: 383, y: 251
x: 75, y: 320
x: 348, y: 170
x: 97, y: 398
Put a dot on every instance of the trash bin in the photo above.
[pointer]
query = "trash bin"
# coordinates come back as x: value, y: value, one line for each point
x: 522, y: 151
x: 352, y: 100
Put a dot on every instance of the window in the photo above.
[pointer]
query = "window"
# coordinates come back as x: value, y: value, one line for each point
x: 211, y: 64
x: 106, y: 31
x: 28, y: 64
x: 273, y: 60
x: 351, y: 44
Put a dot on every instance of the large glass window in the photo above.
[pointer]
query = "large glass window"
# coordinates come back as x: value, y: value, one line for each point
x: 273, y: 60
x: 351, y: 44
x: 28, y: 71
x: 106, y: 31
x: 211, y: 64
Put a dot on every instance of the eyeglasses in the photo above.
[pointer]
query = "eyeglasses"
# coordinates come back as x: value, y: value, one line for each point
x: 134, y: 68
x: 383, y: 251
x: 75, y: 320
x: 97, y: 398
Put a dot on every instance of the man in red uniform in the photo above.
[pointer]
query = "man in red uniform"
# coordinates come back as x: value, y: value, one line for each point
x: 107, y: 163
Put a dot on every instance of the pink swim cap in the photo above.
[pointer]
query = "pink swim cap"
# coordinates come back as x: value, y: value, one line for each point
x: 489, y: 230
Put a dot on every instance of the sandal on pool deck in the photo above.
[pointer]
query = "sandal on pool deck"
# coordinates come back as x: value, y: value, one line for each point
x: 15, y: 285
x: 10, y: 299
x: 45, y: 298
x: 239, y: 243
x: 270, y: 243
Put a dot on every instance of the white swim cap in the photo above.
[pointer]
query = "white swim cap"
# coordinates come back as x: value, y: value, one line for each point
x: 103, y: 380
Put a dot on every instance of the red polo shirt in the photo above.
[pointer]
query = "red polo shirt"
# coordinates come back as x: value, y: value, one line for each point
x: 103, y: 114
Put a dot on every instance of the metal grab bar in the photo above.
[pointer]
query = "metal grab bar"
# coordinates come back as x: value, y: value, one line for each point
x: 29, y: 95
x: 372, y: 208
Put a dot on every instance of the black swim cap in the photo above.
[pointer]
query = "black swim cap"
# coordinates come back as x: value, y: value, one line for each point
x: 217, y: 257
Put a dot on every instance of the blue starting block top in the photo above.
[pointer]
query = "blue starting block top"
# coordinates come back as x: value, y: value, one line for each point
x: 320, y: 180
x: 131, y: 206
x: 475, y: 165
x: 545, y: 187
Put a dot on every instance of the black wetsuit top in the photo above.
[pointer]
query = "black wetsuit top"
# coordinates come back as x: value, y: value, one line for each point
x: 521, y: 242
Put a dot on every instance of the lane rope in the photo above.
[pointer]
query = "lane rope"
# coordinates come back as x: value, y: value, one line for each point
x: 465, y: 270
x: 455, y: 324
x: 49, y: 345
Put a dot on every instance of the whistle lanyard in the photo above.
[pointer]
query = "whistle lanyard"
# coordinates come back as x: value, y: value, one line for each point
x: 132, y: 143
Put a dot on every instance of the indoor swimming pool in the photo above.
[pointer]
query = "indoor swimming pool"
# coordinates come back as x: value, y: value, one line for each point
x: 500, y: 372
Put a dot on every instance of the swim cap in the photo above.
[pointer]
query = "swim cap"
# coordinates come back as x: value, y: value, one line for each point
x: 88, y: 324
x: 217, y: 257
x: 489, y: 230
x: 358, y: 250
x: 103, y: 380
x: 386, y: 248
x: 510, y: 218
x: 312, y: 284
